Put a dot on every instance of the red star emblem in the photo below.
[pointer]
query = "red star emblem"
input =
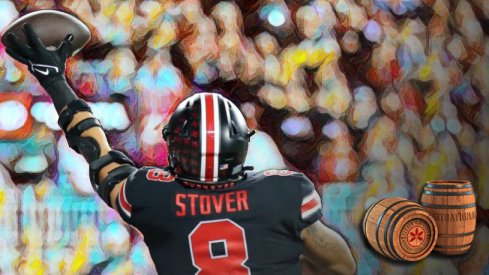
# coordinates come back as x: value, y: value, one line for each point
x: 416, y: 236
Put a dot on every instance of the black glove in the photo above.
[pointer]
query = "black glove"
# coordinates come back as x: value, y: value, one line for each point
x: 46, y: 65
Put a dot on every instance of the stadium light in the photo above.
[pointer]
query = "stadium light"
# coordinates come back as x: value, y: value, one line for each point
x: 273, y: 14
x: 276, y: 18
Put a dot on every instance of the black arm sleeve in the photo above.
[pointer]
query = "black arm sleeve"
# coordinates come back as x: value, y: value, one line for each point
x: 61, y: 93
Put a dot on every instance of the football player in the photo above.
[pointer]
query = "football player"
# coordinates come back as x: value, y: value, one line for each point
x: 204, y: 213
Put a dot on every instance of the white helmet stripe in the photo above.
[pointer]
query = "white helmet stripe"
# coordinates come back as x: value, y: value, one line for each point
x: 217, y: 137
x: 203, y: 137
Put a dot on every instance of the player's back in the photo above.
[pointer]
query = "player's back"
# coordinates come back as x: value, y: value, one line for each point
x: 251, y: 227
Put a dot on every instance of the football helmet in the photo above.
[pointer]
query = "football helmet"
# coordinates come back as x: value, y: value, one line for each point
x: 207, y: 139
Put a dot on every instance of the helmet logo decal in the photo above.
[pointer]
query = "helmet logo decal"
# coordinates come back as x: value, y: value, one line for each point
x: 210, y: 137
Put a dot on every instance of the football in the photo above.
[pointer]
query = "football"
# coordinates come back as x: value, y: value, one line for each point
x: 52, y: 27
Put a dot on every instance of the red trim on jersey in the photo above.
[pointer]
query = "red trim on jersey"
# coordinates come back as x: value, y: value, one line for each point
x: 123, y: 201
x: 159, y: 175
x: 310, y: 204
x: 209, y: 135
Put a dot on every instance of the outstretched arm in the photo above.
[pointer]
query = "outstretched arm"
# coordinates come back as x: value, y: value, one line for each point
x: 108, y: 168
x: 100, y: 176
x: 325, y: 251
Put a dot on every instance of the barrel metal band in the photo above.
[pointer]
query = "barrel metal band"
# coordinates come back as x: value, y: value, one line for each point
x: 428, y: 192
x: 390, y: 234
x: 391, y: 241
x: 442, y: 206
x: 442, y: 186
x: 456, y: 235
x: 366, y: 217
x: 453, y: 246
x: 378, y: 224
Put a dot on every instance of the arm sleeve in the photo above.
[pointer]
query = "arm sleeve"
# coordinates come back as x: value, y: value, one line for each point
x: 60, y: 93
x: 310, y: 208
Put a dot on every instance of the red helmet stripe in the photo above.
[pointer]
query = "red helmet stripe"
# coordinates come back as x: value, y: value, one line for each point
x: 210, y: 131
x: 209, y: 137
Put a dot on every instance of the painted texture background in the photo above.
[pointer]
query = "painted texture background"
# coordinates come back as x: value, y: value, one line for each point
x: 369, y: 98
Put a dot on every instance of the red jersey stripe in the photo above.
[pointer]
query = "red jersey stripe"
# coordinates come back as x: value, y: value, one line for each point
x: 125, y: 205
x: 310, y: 203
x: 308, y: 206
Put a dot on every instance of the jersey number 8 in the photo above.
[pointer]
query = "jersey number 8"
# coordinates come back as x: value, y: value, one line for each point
x: 219, y: 246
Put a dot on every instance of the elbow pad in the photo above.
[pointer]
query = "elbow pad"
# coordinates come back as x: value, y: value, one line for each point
x: 71, y: 110
x: 113, y: 178
x: 116, y: 175
x: 88, y: 147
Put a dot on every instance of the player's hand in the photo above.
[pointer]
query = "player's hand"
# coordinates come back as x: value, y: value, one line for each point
x: 45, y: 64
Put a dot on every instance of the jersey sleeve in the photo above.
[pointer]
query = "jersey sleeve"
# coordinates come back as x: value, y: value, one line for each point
x: 310, y: 208
x: 126, y: 197
x: 138, y: 190
x: 132, y: 193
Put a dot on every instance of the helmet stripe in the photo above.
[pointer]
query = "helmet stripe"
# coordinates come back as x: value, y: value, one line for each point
x: 210, y: 138
x: 203, y: 137
x: 209, y: 165
x: 217, y: 137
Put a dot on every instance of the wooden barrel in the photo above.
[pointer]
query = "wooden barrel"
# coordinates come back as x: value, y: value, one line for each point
x: 452, y: 204
x: 400, y: 229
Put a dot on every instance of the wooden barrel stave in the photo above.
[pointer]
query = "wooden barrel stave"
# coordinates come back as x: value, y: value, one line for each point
x: 385, y: 222
x: 452, y: 205
x: 385, y: 207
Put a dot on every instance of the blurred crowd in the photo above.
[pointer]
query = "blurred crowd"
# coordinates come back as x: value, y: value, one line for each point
x: 369, y: 98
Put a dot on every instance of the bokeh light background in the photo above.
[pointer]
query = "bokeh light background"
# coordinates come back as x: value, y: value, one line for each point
x: 369, y: 98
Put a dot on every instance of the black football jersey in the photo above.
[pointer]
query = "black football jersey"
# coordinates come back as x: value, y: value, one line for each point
x: 250, y: 227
